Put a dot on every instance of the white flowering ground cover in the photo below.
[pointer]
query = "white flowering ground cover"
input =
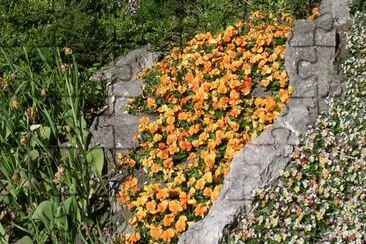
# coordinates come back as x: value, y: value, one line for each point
x: 321, y: 195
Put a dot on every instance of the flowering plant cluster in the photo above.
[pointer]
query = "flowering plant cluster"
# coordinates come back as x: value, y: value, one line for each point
x: 321, y: 196
x: 132, y: 7
x: 207, y: 111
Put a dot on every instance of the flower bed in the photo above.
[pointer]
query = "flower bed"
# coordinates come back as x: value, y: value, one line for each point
x: 207, y: 111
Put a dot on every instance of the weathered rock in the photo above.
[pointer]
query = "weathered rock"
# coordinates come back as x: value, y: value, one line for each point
x: 339, y: 10
x: 114, y: 130
x: 126, y: 67
x: 309, y: 62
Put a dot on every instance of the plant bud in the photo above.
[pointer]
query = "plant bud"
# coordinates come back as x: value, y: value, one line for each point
x: 64, y: 67
x: 23, y: 140
x: 15, y: 104
x: 43, y: 92
x: 68, y: 51
x: 12, y: 76
x: 32, y: 112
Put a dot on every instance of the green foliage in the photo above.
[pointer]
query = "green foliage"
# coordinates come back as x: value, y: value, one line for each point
x: 46, y: 187
x: 51, y: 24
x: 358, y: 5
x: 172, y: 23
x: 300, y: 9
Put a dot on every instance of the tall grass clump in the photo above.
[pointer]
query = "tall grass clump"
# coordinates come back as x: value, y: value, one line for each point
x: 47, y: 172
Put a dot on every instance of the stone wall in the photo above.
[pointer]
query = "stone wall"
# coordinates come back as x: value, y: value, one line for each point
x: 309, y: 60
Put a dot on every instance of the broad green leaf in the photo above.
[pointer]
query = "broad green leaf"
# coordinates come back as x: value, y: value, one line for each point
x: 44, y: 212
x: 95, y: 159
x: 45, y: 132
x: 34, y: 154
x: 69, y: 204
x: 25, y: 240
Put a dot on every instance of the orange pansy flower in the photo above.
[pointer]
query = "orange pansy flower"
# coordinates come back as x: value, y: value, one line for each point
x: 180, y: 226
x: 200, y: 210
x: 175, y: 206
x: 168, y: 235
x: 133, y: 238
x: 200, y: 184
x: 168, y: 220
x: 189, y: 77
x: 151, y: 206
x: 156, y: 232
x: 163, y: 206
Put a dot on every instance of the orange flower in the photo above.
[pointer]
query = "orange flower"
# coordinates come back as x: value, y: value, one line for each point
x: 247, y: 84
x: 170, y: 120
x: 155, y: 168
x: 221, y: 88
x: 210, y: 159
x: 184, y: 197
x: 208, y: 177
x: 171, y: 139
x: 156, y: 232
x: 144, y: 121
x: 133, y: 238
x: 265, y: 82
x: 216, y: 192
x: 151, y: 206
x: 180, y: 226
x: 157, y: 137
x: 168, y: 235
x: 141, y: 214
x: 200, y: 210
x: 200, y: 184
x: 270, y: 104
x: 201, y: 94
x: 123, y: 197
x: 228, y: 34
x: 173, y: 149
x: 163, y: 206
x: 189, y: 77
x: 168, y: 220
x: 175, y: 206
x: 162, y: 194
x: 164, y: 79
x: 207, y: 192
x: 284, y: 96
x: 151, y: 103
x: 179, y: 179
x: 153, y: 127
x: 186, y: 145
x: 168, y: 163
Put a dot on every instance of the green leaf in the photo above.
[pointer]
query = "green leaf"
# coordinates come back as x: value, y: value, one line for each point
x: 69, y: 204
x: 95, y: 159
x: 25, y: 240
x: 69, y: 119
x: 34, y: 154
x: 45, y: 132
x: 44, y: 212
x: 4, y: 238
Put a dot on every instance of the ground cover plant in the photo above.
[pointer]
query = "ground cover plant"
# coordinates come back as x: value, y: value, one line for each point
x: 320, y: 196
x: 207, y: 111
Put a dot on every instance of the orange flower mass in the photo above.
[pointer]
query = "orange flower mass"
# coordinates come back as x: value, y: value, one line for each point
x: 206, y: 112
